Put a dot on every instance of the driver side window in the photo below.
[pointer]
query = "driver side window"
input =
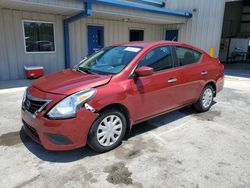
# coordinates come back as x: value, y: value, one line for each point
x: 159, y: 59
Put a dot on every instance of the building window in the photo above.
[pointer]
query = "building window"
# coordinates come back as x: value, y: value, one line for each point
x: 136, y: 35
x: 38, y: 36
x: 172, y: 35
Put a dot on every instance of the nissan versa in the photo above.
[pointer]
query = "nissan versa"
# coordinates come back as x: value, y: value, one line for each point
x: 95, y: 102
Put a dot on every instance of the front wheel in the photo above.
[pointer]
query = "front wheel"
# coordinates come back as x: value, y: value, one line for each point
x: 206, y: 99
x: 107, y: 131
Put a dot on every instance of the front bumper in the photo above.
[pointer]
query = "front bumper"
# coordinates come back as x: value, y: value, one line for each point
x: 58, y: 135
x: 65, y: 134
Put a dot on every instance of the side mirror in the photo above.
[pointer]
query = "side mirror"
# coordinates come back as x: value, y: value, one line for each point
x: 144, y: 71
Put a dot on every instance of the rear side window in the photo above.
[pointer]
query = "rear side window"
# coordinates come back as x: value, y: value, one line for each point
x: 158, y: 58
x: 187, y: 56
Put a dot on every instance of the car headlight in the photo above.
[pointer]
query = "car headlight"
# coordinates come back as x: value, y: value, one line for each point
x: 69, y: 106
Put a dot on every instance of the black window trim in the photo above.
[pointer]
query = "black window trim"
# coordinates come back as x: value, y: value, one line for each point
x: 176, y: 58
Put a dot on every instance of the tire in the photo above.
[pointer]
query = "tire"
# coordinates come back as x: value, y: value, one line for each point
x: 104, y: 135
x: 206, y: 99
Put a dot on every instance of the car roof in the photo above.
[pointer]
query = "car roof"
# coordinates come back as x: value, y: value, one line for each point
x: 149, y: 44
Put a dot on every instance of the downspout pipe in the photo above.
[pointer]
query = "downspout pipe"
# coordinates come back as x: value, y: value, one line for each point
x: 86, y: 12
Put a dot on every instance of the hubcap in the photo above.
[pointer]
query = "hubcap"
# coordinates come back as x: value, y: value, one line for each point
x: 109, y: 130
x: 207, y: 97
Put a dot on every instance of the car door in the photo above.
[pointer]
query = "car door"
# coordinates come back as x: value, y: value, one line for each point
x: 156, y: 93
x: 193, y: 72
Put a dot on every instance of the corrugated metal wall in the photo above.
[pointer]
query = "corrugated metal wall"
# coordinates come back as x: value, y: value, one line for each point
x: 203, y: 30
x: 12, y: 51
x: 205, y: 27
x: 118, y: 13
x: 114, y: 32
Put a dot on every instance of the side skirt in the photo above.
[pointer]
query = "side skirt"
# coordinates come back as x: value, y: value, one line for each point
x: 156, y: 115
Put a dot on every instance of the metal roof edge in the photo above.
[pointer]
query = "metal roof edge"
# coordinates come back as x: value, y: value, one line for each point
x: 144, y: 8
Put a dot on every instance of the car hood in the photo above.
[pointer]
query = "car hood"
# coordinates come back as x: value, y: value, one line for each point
x: 69, y: 81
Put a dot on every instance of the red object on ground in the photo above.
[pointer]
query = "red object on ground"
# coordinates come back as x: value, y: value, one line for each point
x: 178, y: 79
x: 33, y: 71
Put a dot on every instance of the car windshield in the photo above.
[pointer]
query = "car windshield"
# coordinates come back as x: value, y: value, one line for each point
x: 110, y: 60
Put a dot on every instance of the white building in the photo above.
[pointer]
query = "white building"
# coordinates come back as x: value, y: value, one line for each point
x: 59, y: 33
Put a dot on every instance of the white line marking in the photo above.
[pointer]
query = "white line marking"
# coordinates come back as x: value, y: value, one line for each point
x: 158, y: 136
x: 176, y: 127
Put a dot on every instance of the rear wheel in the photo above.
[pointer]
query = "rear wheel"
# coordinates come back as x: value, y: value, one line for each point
x: 107, y: 131
x: 206, y: 99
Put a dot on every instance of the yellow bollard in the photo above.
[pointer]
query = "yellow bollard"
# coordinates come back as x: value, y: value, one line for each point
x: 211, y: 52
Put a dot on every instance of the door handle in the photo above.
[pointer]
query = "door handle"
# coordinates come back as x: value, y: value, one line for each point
x: 204, y: 72
x: 172, y: 80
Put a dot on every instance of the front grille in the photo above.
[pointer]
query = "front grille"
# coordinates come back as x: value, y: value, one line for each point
x: 33, y: 105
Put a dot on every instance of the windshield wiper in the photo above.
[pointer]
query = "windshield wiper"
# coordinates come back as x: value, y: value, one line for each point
x: 85, y: 70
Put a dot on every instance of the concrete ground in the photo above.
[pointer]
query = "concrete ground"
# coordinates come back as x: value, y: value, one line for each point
x: 179, y: 149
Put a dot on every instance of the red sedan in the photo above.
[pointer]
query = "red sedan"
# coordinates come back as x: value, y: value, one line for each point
x: 101, y: 98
